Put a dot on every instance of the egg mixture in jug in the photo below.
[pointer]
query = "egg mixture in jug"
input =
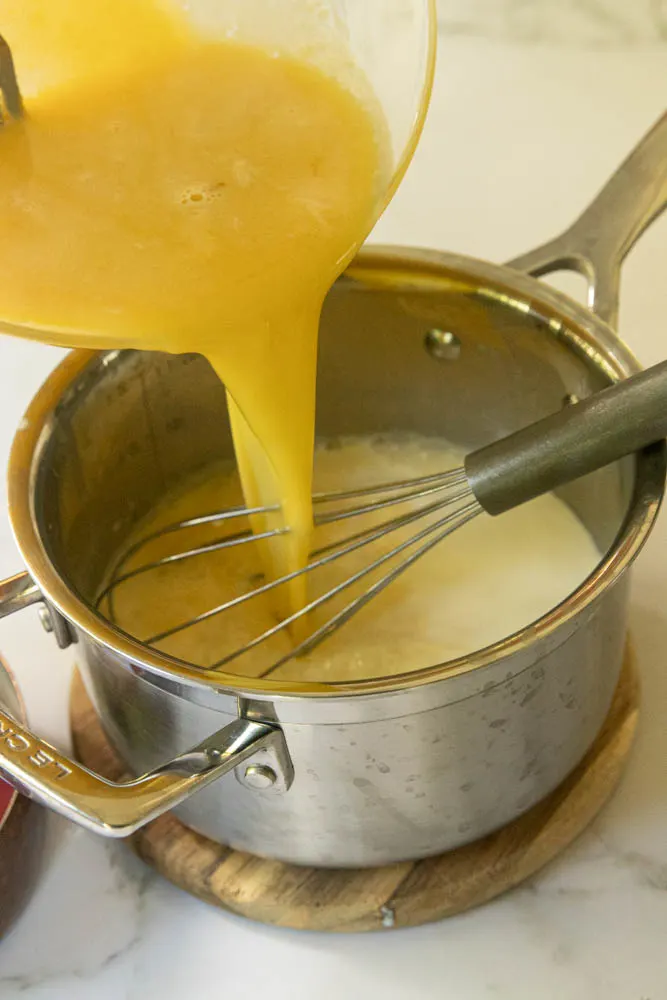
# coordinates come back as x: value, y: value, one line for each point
x: 169, y: 191
x: 187, y: 195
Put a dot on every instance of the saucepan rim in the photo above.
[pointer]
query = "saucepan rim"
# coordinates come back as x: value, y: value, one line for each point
x: 409, y: 268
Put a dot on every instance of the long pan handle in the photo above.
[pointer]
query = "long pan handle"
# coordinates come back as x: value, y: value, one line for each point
x: 596, y: 244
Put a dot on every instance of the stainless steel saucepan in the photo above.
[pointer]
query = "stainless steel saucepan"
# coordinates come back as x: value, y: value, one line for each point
x: 375, y: 771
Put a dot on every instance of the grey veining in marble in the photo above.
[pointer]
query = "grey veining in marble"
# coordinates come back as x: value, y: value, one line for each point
x: 84, y: 927
x: 575, y: 23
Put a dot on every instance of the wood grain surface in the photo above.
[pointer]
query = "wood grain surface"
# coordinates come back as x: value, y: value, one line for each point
x: 399, y: 895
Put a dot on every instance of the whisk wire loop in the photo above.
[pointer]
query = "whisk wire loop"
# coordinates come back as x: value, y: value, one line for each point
x: 446, y: 492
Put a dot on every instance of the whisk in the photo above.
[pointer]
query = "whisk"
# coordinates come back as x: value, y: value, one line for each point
x: 11, y: 102
x: 582, y: 437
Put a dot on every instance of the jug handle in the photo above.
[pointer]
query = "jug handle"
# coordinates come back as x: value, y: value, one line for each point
x: 118, y: 809
x: 596, y: 244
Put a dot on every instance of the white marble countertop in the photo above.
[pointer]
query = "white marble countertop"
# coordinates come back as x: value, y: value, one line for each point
x: 519, y: 138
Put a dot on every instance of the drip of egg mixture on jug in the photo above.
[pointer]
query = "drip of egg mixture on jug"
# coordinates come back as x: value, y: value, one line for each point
x: 187, y: 195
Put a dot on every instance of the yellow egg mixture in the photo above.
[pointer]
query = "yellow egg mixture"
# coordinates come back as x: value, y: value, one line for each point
x: 479, y: 585
x: 193, y: 196
x: 170, y: 192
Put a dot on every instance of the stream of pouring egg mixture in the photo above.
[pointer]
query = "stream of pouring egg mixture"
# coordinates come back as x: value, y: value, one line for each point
x: 172, y: 193
x: 189, y: 196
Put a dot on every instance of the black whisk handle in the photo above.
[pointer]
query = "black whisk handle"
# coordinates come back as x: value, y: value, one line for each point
x: 579, y: 439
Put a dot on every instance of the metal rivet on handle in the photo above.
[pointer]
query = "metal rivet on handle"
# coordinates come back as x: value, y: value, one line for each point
x: 54, y: 623
x: 45, y: 618
x: 259, y: 777
x: 442, y: 345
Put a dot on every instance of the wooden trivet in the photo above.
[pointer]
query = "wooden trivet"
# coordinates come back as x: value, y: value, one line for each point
x: 399, y: 895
